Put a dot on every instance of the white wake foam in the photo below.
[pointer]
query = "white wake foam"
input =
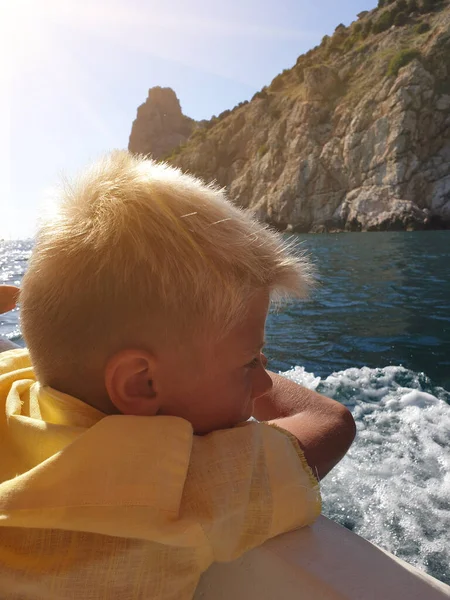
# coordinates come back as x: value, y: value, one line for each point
x: 393, y: 487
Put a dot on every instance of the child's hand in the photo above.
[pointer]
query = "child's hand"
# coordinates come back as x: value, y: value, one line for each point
x: 8, y: 297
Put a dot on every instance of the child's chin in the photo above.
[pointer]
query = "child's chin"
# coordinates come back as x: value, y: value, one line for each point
x: 245, y: 417
x: 225, y: 425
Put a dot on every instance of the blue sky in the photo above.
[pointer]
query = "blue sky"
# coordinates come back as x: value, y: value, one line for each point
x: 73, y: 73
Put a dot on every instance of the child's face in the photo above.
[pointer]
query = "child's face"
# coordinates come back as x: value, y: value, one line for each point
x: 214, y: 385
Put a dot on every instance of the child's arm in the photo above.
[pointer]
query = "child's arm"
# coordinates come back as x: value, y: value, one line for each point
x: 8, y: 299
x: 7, y: 345
x: 324, y: 428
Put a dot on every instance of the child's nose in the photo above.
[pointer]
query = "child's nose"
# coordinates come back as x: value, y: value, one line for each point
x: 262, y: 383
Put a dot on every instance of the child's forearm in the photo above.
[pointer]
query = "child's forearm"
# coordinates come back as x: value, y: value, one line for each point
x: 324, y: 428
x: 8, y: 297
x: 7, y: 345
x: 288, y: 398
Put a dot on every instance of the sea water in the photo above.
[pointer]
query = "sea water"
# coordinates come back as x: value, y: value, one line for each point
x: 375, y: 335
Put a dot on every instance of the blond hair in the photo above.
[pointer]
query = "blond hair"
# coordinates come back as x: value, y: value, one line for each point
x: 137, y: 246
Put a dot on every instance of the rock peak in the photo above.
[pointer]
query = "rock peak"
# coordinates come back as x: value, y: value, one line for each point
x: 160, y: 124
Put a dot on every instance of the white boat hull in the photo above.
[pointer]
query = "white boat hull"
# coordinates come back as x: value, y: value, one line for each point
x: 324, y: 561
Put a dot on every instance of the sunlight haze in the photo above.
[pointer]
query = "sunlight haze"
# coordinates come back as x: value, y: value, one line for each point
x: 74, y: 74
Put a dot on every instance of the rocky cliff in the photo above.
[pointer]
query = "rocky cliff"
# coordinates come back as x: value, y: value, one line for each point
x: 160, y: 125
x: 356, y: 136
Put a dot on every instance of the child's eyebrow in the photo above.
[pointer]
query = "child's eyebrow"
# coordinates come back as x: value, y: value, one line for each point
x: 259, y: 348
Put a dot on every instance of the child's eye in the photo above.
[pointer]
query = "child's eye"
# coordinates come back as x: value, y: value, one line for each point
x: 254, y: 363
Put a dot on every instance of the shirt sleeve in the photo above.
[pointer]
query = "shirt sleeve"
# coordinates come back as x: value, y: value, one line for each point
x: 246, y: 485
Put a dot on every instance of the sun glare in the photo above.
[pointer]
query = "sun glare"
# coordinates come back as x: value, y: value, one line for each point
x: 44, y: 44
x: 24, y: 27
x: 16, y: 8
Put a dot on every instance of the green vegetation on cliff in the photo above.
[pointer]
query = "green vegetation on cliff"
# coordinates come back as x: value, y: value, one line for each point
x: 401, y: 59
x: 355, y: 52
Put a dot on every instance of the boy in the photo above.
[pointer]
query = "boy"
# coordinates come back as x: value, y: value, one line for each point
x: 128, y: 466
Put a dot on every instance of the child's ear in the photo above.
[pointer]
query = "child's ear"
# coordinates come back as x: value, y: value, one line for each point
x: 129, y: 383
x: 8, y: 297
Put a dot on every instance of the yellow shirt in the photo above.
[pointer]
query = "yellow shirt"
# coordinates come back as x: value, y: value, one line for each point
x: 125, y: 508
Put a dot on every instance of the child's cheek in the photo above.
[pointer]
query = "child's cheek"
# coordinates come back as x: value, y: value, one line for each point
x: 247, y: 385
